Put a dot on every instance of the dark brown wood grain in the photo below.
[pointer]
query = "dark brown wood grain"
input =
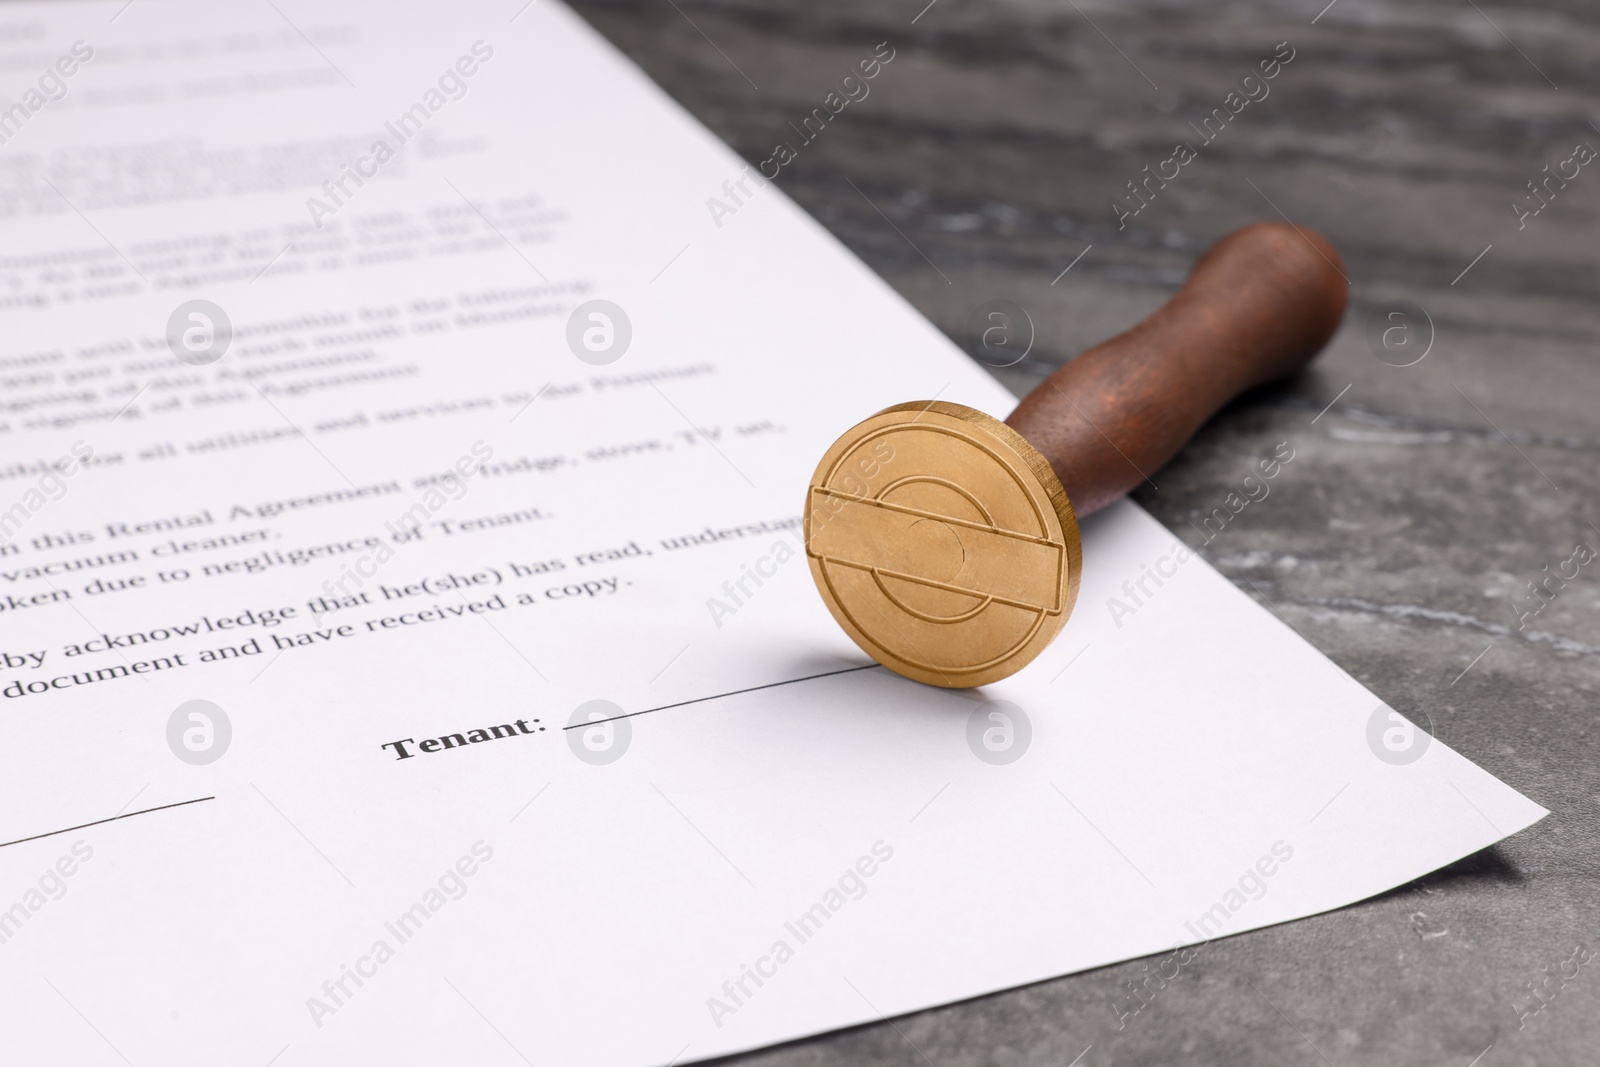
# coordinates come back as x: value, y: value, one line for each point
x: 1257, y: 307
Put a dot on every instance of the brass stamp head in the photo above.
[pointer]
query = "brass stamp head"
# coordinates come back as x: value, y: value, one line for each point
x: 943, y: 543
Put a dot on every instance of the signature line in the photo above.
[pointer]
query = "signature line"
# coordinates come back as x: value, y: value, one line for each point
x: 97, y: 822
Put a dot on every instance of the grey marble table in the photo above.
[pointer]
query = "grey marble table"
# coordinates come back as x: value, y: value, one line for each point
x: 1422, y: 499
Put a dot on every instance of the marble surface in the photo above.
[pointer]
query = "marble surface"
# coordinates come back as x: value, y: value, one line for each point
x: 1420, y: 503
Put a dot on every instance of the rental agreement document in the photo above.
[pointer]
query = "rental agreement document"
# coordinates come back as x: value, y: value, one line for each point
x: 408, y: 651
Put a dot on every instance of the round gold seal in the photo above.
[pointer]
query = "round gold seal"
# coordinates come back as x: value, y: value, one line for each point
x: 943, y: 543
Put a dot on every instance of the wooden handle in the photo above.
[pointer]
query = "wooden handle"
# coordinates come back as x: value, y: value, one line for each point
x: 1257, y: 307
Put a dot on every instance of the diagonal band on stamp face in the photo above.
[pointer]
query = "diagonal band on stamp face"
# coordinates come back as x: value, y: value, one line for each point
x: 938, y: 550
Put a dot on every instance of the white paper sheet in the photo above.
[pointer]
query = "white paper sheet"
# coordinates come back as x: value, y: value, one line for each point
x: 854, y: 841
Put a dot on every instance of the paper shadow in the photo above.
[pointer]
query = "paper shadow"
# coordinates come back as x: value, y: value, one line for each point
x: 1487, y: 866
